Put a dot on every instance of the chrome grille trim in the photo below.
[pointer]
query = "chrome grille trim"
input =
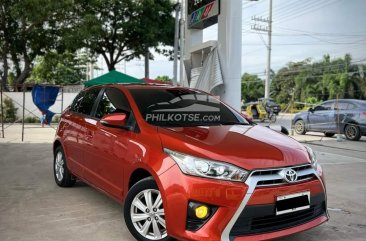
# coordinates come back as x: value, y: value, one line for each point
x: 304, y: 173
x: 251, y: 182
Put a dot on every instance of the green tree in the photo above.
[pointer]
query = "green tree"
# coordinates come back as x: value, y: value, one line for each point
x: 325, y: 79
x: 120, y: 29
x: 10, y: 112
x: 29, y: 28
x: 65, y: 68
x: 283, y: 84
x: 163, y: 78
x: 252, y: 87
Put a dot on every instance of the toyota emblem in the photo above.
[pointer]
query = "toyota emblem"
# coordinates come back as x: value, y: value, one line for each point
x: 290, y: 175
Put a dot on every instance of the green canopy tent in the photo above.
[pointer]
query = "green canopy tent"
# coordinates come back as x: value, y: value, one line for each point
x: 113, y: 77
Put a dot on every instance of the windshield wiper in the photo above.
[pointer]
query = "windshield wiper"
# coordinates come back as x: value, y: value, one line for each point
x: 232, y: 123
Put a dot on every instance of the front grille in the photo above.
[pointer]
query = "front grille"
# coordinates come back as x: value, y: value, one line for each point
x: 259, y: 219
x: 272, y: 176
x: 265, y: 172
x: 271, y: 182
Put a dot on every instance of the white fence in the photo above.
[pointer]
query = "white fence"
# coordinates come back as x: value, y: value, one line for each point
x: 30, y: 109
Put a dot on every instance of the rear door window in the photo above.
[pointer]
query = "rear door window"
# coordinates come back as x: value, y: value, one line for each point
x: 76, y: 103
x: 84, y: 102
x: 341, y: 106
x: 351, y: 106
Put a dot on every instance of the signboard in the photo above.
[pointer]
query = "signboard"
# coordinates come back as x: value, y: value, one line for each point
x: 202, y: 13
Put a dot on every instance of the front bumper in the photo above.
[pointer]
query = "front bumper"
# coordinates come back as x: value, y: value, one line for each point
x: 234, y: 200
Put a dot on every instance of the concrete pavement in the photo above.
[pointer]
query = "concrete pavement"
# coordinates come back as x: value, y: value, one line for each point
x: 33, y: 208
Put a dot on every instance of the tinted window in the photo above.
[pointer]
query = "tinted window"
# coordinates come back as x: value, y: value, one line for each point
x: 84, y: 102
x: 344, y: 106
x: 112, y: 101
x: 341, y: 106
x: 325, y: 106
x: 183, y: 107
x: 76, y: 103
x: 351, y: 106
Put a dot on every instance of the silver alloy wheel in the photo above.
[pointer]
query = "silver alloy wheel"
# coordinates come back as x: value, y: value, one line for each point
x: 147, y: 214
x: 351, y: 131
x: 299, y: 127
x: 59, y: 166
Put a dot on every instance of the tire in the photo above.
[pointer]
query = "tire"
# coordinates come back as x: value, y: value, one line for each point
x: 255, y: 113
x: 272, y: 118
x: 328, y: 134
x: 62, y: 175
x: 136, y: 205
x: 352, y: 132
x: 300, y: 127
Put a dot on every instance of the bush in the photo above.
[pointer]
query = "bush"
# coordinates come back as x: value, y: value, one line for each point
x: 312, y: 101
x: 31, y: 119
x: 10, y: 112
x: 56, y: 119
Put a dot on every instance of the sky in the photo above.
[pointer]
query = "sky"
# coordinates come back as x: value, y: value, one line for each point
x: 301, y: 29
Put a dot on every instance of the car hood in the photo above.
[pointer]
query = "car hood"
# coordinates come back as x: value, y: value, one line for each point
x: 250, y: 147
x: 301, y: 114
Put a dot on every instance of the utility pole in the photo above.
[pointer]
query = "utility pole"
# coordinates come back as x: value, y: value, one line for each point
x: 182, y: 43
x: 177, y: 7
x: 2, y: 110
x: 266, y: 92
x: 267, y: 29
x: 147, y: 69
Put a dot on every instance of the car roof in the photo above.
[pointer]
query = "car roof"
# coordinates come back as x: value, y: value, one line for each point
x: 137, y: 86
x: 348, y: 100
x: 145, y: 86
x: 152, y: 86
x: 354, y: 101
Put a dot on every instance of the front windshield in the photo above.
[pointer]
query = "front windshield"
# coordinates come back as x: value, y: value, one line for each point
x: 180, y: 107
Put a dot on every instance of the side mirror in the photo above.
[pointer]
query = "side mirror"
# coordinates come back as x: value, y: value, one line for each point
x: 246, y: 116
x: 116, y: 120
x: 311, y: 110
x: 280, y: 129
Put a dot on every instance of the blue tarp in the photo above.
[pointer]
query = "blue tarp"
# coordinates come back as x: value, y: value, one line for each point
x: 44, y: 97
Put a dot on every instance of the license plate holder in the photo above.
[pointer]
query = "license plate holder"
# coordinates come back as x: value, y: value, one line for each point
x: 292, y: 202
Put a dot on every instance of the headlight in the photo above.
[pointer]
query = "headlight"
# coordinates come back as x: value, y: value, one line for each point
x: 196, y: 166
x: 312, y: 156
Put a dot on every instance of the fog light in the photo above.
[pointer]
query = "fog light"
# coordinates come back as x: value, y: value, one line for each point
x: 202, y: 212
x: 198, y: 214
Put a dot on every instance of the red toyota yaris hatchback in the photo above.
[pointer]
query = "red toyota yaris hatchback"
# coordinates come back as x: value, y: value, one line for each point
x: 188, y: 166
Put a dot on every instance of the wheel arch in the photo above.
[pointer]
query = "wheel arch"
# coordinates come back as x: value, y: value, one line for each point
x: 137, y: 175
x: 56, y: 144
x: 298, y: 119
x: 357, y: 136
x: 349, y: 122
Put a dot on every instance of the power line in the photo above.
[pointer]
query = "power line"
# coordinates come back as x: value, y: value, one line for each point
x: 281, y: 64
x: 302, y: 44
x: 295, y: 9
x: 323, y: 33
x: 279, y: 34
x: 331, y: 67
x: 306, y: 10
x: 247, y: 5
x: 288, y: 6
x: 253, y: 51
